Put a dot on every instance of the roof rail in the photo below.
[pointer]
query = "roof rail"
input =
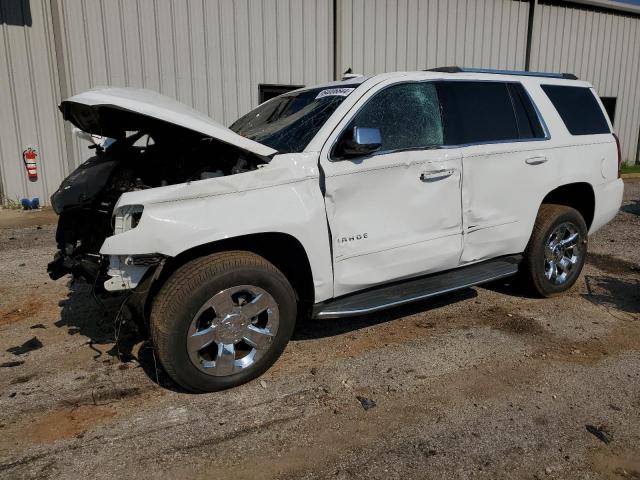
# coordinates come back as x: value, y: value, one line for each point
x: 454, y: 69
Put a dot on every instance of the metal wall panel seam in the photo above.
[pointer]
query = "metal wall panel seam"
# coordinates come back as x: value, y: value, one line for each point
x: 632, y: 119
x: 42, y: 176
x: 57, y: 72
x: 14, y: 109
x: 105, y: 39
x: 635, y: 122
x: 623, y: 113
x: 221, y: 69
x: 194, y: 102
x: 617, y: 71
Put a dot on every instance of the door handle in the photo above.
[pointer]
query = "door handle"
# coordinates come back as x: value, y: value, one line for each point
x: 433, y: 175
x: 535, y: 160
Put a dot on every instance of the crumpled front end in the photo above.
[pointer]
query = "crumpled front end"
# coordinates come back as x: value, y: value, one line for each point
x: 79, y: 235
x: 126, y: 272
x: 153, y: 142
x: 87, y: 200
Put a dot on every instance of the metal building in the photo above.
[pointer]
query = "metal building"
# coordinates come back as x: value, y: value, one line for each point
x: 224, y: 56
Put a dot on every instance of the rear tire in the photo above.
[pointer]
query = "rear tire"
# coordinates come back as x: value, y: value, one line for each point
x: 222, y: 320
x: 556, y: 251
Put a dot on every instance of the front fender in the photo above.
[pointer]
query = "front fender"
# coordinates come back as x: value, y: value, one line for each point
x: 282, y: 197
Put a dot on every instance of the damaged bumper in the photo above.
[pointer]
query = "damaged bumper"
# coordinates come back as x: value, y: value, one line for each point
x: 125, y: 272
x: 116, y: 272
x: 86, y: 266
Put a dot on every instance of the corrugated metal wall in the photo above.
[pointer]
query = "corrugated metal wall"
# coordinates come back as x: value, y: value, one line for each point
x: 602, y: 48
x: 28, y: 98
x: 210, y: 54
x: 390, y: 35
x: 213, y: 54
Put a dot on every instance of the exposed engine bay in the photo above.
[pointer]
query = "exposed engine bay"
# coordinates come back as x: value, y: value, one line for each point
x: 159, y: 155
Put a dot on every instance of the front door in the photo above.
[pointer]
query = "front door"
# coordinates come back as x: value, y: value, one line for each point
x: 396, y: 213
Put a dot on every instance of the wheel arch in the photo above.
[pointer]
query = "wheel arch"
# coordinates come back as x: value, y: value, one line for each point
x: 281, y: 249
x: 579, y: 195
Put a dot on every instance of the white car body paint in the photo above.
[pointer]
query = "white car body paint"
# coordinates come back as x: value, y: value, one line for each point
x: 502, y: 192
x: 281, y: 197
x: 413, y: 226
x: 402, y: 227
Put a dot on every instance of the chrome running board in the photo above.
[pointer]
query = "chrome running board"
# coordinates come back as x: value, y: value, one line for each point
x: 399, y: 293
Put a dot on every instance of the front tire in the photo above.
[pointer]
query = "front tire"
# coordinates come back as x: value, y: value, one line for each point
x: 222, y: 320
x: 556, y: 251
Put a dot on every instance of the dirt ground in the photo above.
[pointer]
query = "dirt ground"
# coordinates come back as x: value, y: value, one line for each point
x: 484, y: 383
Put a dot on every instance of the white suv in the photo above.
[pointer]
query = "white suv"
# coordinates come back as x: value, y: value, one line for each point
x: 332, y: 201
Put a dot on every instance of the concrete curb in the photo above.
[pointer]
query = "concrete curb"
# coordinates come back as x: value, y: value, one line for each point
x: 626, y: 176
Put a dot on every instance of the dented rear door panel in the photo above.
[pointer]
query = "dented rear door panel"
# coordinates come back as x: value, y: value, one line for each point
x: 502, y: 187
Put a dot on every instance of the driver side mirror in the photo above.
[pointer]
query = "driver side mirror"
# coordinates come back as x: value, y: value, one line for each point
x: 362, y: 141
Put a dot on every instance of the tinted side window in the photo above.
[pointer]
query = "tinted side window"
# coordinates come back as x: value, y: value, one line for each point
x: 528, y: 122
x: 407, y: 115
x: 578, y: 109
x: 476, y: 112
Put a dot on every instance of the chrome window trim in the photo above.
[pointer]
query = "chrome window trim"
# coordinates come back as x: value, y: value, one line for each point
x: 496, y: 142
x: 545, y: 129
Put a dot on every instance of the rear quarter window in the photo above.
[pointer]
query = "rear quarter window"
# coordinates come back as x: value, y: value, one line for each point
x: 578, y: 109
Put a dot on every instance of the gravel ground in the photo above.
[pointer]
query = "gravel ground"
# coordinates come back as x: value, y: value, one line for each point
x: 484, y: 383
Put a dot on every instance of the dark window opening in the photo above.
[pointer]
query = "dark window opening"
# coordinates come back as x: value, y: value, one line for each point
x: 267, y: 92
x: 578, y: 109
x: 610, y: 106
x: 476, y: 112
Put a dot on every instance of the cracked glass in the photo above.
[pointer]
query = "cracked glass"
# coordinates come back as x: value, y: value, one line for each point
x: 289, y: 122
x: 407, y: 115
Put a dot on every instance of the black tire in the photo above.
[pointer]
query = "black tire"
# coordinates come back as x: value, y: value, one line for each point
x: 187, y: 290
x: 550, y: 217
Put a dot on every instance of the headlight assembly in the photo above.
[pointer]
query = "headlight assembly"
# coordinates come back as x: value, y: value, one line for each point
x: 126, y: 218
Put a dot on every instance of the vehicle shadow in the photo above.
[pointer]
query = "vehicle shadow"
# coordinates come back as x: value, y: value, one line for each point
x: 632, y: 207
x: 89, y: 316
x: 623, y: 294
x: 310, y: 328
x: 103, y: 322
x: 106, y: 322
x: 510, y: 286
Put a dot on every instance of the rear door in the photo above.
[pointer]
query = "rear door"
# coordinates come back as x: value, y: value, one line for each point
x: 396, y: 213
x: 505, y: 164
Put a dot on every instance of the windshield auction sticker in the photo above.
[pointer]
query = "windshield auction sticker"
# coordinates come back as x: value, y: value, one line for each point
x: 335, y: 92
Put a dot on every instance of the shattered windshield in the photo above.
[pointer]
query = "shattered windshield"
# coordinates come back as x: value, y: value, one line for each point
x: 288, y: 123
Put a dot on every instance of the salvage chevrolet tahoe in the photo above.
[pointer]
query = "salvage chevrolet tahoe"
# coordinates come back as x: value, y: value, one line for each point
x: 330, y: 201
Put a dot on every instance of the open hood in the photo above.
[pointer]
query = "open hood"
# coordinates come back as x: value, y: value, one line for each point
x: 110, y: 112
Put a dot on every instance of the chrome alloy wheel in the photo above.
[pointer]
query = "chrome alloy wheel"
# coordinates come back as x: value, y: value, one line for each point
x: 232, y: 330
x: 562, y: 251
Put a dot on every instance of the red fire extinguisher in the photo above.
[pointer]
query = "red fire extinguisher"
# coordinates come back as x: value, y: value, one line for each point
x: 29, y: 156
